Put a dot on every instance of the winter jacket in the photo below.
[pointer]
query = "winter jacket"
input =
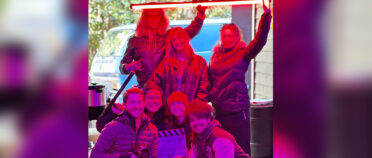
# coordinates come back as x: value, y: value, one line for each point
x: 189, y: 77
x: 119, y: 137
x: 108, y: 116
x: 202, y: 144
x: 138, y: 48
x: 228, y: 91
x: 158, y: 118
x: 103, y: 119
x: 172, y: 123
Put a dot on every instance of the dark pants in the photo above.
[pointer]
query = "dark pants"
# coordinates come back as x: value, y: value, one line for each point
x: 238, y: 125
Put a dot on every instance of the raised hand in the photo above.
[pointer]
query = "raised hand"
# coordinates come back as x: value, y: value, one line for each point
x: 266, y: 6
x: 117, y: 108
x: 201, y: 9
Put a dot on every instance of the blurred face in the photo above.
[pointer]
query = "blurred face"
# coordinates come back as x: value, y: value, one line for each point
x: 153, y: 18
x: 153, y: 100
x: 228, y: 38
x: 178, y: 43
x: 198, y: 125
x: 135, y: 104
x: 177, y: 108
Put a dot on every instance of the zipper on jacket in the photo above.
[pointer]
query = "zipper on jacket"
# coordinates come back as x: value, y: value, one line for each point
x: 139, y: 130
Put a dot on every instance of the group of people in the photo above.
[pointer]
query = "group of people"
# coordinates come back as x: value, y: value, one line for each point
x: 175, y: 86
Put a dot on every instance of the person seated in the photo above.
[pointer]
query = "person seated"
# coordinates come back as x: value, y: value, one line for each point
x: 208, y: 139
x: 130, y: 134
x: 176, y: 116
x: 153, y: 107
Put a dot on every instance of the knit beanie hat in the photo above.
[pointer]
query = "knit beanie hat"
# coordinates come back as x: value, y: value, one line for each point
x: 177, y: 96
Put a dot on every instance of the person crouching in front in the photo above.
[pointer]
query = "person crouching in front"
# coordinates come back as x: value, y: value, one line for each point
x: 130, y: 134
x: 209, y: 140
x: 176, y: 115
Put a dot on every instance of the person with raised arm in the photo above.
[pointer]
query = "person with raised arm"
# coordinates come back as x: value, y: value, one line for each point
x: 227, y: 67
x: 146, y: 48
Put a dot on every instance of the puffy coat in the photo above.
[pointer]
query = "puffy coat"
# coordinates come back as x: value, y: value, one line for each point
x: 228, y: 91
x: 138, y: 48
x: 107, y: 116
x: 119, y: 137
x: 193, y: 82
x: 202, y: 144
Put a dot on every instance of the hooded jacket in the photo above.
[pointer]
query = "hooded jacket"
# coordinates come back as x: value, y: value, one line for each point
x: 202, y: 144
x: 119, y: 137
x: 138, y: 48
x: 228, y: 91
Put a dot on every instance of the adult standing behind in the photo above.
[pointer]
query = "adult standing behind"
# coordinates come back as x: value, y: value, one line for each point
x: 146, y: 48
x: 182, y: 70
x: 227, y: 67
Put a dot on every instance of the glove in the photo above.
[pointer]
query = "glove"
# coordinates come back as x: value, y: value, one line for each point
x: 117, y: 108
x: 201, y: 9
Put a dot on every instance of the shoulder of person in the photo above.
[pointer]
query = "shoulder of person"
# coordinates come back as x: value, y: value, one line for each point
x: 199, y: 58
x: 132, y: 37
x: 113, y: 125
x: 223, y: 145
x: 121, y: 120
x: 221, y: 133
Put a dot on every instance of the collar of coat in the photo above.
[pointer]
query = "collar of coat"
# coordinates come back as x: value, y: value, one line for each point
x: 159, y: 115
x: 219, y: 49
x: 202, y: 137
x: 128, y: 119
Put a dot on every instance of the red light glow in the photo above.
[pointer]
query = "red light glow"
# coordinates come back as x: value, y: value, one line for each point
x: 191, y: 4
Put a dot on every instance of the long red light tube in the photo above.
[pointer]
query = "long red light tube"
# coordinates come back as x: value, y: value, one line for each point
x: 191, y: 4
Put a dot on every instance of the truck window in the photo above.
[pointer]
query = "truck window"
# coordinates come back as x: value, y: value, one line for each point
x: 114, y: 42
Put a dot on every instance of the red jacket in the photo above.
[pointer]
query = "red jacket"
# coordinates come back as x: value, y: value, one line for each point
x: 228, y: 92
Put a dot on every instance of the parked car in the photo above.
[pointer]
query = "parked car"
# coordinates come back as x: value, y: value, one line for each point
x: 105, y: 65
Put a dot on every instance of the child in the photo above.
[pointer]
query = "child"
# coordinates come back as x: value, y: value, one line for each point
x: 130, y: 134
x: 176, y: 118
x: 209, y: 140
